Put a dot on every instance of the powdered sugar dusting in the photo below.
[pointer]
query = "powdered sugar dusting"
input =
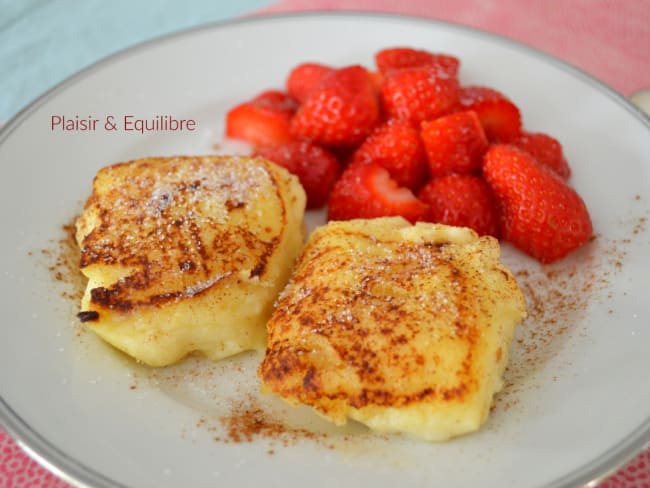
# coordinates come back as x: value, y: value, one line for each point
x: 173, y: 227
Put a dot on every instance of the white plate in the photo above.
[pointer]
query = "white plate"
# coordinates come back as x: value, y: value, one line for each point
x: 578, y: 400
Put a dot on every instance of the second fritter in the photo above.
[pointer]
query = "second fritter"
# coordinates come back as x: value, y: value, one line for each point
x: 404, y: 328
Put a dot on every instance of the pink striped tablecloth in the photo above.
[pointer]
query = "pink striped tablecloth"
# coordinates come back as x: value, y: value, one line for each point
x: 608, y: 39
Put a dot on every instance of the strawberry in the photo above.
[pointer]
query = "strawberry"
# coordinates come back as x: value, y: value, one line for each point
x: 343, y: 154
x: 461, y: 200
x: 405, y: 57
x: 315, y: 167
x: 304, y: 78
x: 454, y: 143
x: 376, y: 80
x: 341, y: 111
x: 500, y: 117
x: 367, y: 191
x: 264, y: 120
x: 276, y: 100
x: 546, y: 150
x: 417, y: 94
x: 396, y: 146
x: 539, y: 212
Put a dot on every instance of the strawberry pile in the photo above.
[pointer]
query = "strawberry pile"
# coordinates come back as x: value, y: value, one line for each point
x: 407, y: 138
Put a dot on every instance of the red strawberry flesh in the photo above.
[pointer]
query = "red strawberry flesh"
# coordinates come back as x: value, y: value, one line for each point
x: 305, y: 78
x: 315, y: 167
x: 454, y: 143
x: 501, y: 119
x: 257, y: 124
x: 461, y: 200
x: 539, y: 212
x: 418, y: 94
x: 367, y: 191
x: 546, y: 150
x: 397, y: 147
x: 341, y: 111
x: 406, y: 57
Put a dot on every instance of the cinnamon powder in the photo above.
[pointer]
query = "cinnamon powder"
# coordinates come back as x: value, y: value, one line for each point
x: 557, y: 296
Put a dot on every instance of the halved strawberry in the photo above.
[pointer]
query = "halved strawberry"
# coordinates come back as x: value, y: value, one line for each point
x: 539, y: 212
x: 396, y: 146
x: 461, y: 200
x: 341, y: 111
x: 367, y: 191
x: 546, y: 150
x: 406, y: 57
x: 418, y: 94
x: 264, y: 120
x: 454, y: 143
x: 316, y: 168
x: 304, y: 78
x: 500, y: 117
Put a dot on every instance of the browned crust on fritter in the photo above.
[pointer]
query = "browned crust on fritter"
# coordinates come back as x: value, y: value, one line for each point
x: 370, y: 347
x: 152, y: 222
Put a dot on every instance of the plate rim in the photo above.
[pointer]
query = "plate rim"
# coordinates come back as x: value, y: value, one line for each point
x: 73, y: 471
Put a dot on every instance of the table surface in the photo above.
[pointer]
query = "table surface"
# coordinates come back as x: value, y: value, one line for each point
x: 44, y: 42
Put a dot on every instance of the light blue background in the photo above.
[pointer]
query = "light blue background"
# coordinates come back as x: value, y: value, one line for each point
x: 42, y: 42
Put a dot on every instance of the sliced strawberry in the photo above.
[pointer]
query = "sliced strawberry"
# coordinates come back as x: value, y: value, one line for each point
x: 316, y: 168
x: 454, y: 143
x: 367, y: 191
x: 461, y: 200
x: 265, y: 120
x: 539, y: 212
x: 341, y: 111
x: 406, y: 57
x: 546, y: 150
x: 418, y: 94
x: 500, y: 117
x: 396, y: 146
x: 304, y: 78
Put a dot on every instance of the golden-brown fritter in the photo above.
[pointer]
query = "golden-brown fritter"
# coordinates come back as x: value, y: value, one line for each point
x: 187, y: 254
x: 403, y: 328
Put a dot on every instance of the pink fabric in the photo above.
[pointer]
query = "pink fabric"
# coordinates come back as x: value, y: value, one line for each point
x: 17, y: 470
x: 608, y: 39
